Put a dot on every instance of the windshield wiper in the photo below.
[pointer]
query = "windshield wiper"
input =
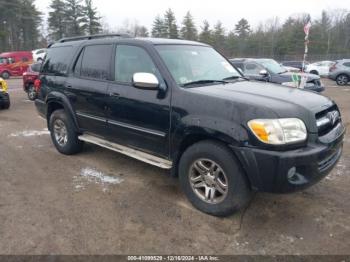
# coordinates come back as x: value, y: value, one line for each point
x: 235, y: 77
x: 199, y: 82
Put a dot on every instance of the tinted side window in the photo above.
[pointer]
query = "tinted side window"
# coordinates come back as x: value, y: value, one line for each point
x: 96, y: 62
x: 57, y: 60
x: 130, y: 60
x: 252, y: 68
x: 347, y: 64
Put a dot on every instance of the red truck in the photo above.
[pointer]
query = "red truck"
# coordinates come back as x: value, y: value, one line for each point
x: 14, y: 63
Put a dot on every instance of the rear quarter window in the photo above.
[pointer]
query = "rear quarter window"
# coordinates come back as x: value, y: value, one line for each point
x: 57, y: 60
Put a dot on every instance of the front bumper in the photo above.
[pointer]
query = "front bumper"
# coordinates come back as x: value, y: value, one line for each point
x: 289, y: 171
x: 315, y: 88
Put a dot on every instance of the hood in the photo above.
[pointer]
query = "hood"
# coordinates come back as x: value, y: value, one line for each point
x: 310, y: 77
x: 261, y: 98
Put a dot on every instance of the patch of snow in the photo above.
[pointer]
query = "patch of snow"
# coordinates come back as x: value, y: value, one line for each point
x: 30, y: 133
x: 99, y: 177
x: 90, y: 175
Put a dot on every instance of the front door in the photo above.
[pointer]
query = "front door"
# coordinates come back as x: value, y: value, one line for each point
x: 137, y: 118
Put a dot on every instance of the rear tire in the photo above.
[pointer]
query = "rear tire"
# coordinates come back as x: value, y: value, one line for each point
x: 211, y: 167
x: 5, y: 75
x: 63, y: 133
x: 342, y: 80
x: 31, y: 92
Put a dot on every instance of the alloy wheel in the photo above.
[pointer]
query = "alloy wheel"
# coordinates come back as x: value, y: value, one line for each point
x: 342, y: 80
x: 60, y: 132
x: 208, y: 181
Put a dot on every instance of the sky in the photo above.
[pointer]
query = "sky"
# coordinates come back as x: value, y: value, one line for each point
x: 115, y: 13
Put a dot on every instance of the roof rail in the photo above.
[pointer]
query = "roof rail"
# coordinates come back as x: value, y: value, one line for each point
x: 89, y: 37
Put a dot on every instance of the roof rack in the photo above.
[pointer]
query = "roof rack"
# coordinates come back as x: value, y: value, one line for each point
x: 90, y: 37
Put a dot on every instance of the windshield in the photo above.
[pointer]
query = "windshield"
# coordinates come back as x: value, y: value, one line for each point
x: 196, y: 64
x: 272, y: 66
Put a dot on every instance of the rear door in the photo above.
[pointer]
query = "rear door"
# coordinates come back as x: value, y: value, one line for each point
x: 137, y: 118
x: 88, y: 87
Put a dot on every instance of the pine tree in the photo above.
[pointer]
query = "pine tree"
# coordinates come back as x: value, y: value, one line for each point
x: 19, y: 25
x: 188, y: 29
x: 30, y: 21
x: 92, y: 24
x: 170, y: 25
x: 242, y: 29
x: 219, y: 37
x: 206, y: 34
x: 57, y: 19
x: 75, y: 17
x: 158, y: 29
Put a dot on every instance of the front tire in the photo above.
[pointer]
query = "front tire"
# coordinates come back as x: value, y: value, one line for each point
x: 212, y: 179
x: 31, y: 92
x: 63, y: 133
x: 342, y: 80
x: 5, y: 75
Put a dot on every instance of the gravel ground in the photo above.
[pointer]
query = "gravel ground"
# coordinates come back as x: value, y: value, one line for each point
x: 101, y: 202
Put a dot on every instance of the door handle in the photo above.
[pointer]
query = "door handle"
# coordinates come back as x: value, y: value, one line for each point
x: 116, y: 95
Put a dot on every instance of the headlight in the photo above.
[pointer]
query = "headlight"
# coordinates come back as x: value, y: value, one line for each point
x: 290, y: 84
x: 278, y: 131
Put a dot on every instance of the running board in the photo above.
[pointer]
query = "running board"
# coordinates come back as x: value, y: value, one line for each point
x: 142, y: 156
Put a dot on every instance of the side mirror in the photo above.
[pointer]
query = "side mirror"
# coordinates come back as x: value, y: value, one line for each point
x: 145, y: 81
x: 264, y: 73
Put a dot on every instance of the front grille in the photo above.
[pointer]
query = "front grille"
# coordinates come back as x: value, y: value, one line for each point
x: 327, y: 120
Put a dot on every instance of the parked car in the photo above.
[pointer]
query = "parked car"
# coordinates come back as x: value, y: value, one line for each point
x: 292, y: 69
x: 180, y: 105
x: 319, y: 68
x: 29, y: 78
x: 269, y: 70
x: 14, y: 63
x: 340, y: 72
x: 4, y: 96
x: 295, y: 64
x: 39, y: 55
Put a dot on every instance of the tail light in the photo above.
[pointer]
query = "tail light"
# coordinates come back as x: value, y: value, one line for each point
x: 37, y: 85
x: 333, y: 67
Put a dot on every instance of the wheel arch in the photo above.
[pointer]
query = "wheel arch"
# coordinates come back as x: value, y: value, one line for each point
x: 193, y: 135
x: 56, y: 101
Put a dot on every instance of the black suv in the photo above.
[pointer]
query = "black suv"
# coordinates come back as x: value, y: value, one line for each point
x: 182, y: 106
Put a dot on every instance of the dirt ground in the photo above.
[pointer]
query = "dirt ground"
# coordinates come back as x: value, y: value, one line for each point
x: 101, y: 202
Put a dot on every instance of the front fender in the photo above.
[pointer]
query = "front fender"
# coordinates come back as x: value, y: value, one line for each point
x: 223, y: 130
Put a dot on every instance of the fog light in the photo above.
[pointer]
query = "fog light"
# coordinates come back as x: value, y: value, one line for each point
x: 292, y: 174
